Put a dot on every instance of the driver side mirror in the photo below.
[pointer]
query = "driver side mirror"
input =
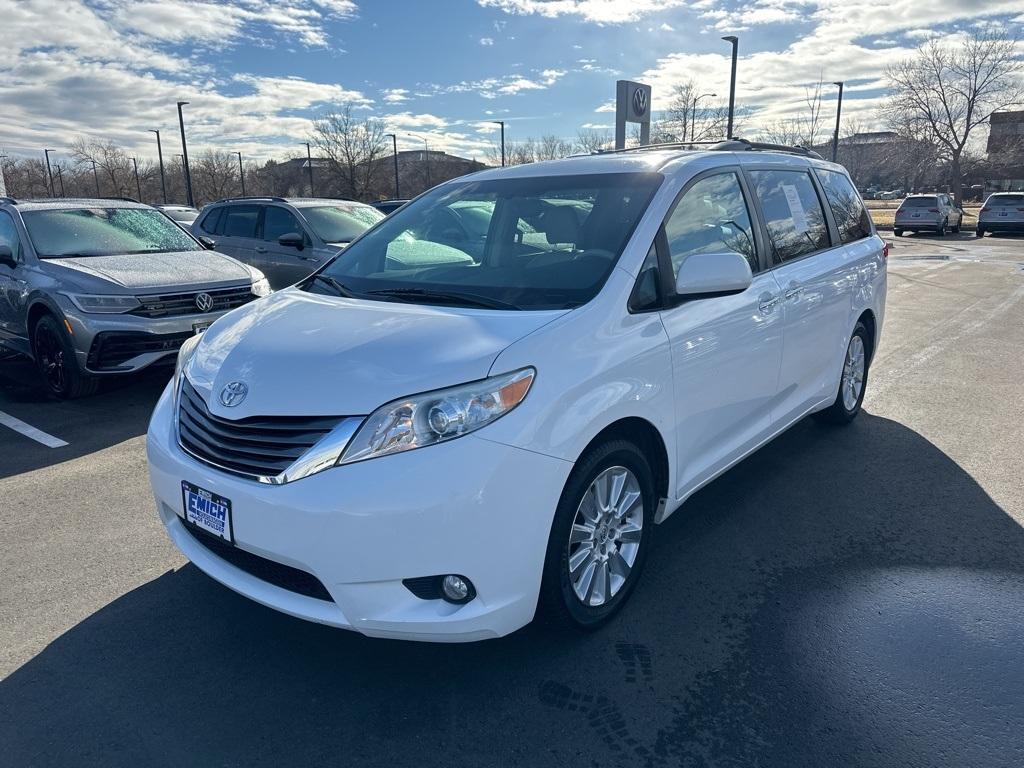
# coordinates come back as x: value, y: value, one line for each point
x: 704, y: 275
x: 7, y: 256
x: 291, y: 240
x: 208, y: 242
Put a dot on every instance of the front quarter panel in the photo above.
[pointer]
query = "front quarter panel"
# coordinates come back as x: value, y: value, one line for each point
x: 595, y: 365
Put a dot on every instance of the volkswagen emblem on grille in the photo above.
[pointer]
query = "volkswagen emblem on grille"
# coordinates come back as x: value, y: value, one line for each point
x: 204, y: 302
x: 640, y: 101
x: 233, y: 393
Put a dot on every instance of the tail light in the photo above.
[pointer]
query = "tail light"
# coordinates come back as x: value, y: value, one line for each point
x: 885, y: 251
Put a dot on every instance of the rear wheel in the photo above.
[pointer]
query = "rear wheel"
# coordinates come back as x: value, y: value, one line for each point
x: 599, y: 537
x: 980, y: 232
x: 55, y: 359
x: 898, y: 232
x: 853, y: 381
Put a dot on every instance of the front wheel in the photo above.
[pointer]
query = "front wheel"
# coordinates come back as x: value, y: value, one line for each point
x: 600, y: 536
x: 942, y: 229
x: 55, y: 360
x: 852, y: 383
x: 959, y: 223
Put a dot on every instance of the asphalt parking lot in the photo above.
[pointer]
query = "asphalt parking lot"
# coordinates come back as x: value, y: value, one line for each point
x: 844, y: 597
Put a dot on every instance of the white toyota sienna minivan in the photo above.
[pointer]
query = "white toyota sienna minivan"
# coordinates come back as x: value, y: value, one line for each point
x: 484, y: 406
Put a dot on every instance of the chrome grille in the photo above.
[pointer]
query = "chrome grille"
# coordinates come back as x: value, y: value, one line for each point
x: 257, y: 446
x: 175, y: 304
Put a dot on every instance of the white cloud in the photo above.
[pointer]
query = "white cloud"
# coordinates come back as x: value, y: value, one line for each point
x: 486, y: 41
x: 396, y: 95
x: 597, y: 11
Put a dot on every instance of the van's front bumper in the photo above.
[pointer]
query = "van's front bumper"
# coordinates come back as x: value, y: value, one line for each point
x: 471, y: 507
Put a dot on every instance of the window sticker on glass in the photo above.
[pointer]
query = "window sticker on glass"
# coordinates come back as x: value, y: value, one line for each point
x: 796, y: 208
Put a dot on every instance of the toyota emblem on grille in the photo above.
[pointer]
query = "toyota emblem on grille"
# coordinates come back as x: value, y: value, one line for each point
x: 204, y: 302
x: 233, y: 393
x: 640, y: 101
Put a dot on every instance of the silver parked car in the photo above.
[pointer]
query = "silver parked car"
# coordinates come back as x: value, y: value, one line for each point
x: 93, y: 288
x: 928, y: 213
x: 1002, y: 212
x: 285, y: 238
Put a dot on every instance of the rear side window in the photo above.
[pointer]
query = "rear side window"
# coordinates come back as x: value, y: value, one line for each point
x: 240, y: 221
x: 920, y: 202
x: 9, y: 234
x: 1005, y: 201
x: 793, y: 213
x: 847, y: 208
x: 712, y: 217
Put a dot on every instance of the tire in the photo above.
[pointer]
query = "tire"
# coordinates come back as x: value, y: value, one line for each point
x: 559, y: 602
x: 55, y: 361
x: 956, y: 229
x: 980, y: 232
x: 841, y: 411
x: 898, y: 232
x: 942, y: 229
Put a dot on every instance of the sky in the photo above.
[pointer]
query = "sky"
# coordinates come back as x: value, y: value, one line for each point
x: 256, y: 72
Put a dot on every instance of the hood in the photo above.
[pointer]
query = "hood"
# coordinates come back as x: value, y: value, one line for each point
x: 304, y: 354
x: 206, y: 269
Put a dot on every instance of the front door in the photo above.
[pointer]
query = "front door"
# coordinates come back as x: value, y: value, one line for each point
x: 12, y: 286
x: 285, y: 265
x: 726, y: 351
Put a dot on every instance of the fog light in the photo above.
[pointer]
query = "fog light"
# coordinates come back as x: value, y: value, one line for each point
x: 456, y: 589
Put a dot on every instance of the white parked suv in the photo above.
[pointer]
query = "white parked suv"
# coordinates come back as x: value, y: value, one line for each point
x: 488, y: 401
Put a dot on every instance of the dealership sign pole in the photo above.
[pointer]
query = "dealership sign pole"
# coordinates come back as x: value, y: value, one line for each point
x: 632, y: 105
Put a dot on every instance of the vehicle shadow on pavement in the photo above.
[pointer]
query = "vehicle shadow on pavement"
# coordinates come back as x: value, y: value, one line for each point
x: 844, y: 597
x: 118, y: 412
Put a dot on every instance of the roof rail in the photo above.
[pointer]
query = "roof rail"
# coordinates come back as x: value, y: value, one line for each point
x: 729, y: 145
x: 252, y: 197
x: 110, y: 197
x: 743, y: 145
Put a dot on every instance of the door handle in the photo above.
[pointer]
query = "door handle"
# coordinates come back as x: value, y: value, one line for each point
x: 260, y: 249
x: 767, y: 302
x: 792, y: 293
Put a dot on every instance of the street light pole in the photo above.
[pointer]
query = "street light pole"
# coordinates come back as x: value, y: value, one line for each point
x: 241, y: 172
x: 96, y: 178
x: 184, y: 155
x: 732, y: 82
x: 394, y: 155
x: 138, y: 184
x: 839, y: 113
x: 693, y: 118
x: 60, y: 178
x: 49, y: 173
x: 160, y: 155
x: 309, y: 166
x: 502, y: 124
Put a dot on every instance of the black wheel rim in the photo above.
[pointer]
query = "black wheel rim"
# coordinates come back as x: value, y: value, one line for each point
x: 50, y: 354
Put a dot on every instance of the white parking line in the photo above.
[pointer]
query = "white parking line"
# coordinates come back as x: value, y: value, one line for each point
x: 30, y: 432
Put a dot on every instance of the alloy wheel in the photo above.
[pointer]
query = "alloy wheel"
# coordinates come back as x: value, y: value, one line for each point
x: 605, y: 537
x: 50, y: 354
x: 853, y: 373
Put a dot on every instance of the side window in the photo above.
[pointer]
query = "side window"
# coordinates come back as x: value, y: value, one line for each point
x: 9, y: 234
x: 239, y: 221
x: 279, y: 221
x: 212, y: 219
x: 712, y: 217
x: 792, y: 212
x: 847, y: 207
x: 645, y: 294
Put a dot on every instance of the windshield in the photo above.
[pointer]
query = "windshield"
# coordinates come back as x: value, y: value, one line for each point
x: 529, y: 243
x: 184, y: 216
x: 341, y: 224
x: 920, y: 202
x: 104, y: 232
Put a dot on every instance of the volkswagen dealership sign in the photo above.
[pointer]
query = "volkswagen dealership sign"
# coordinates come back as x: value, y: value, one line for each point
x: 632, y: 105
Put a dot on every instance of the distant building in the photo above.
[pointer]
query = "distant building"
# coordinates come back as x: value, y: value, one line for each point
x: 1007, y: 132
x: 421, y: 169
x: 883, y: 160
x: 1005, y: 167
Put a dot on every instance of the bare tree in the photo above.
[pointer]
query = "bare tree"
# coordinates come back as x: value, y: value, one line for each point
x: 590, y: 140
x: 690, y: 116
x: 113, y: 166
x: 946, y: 91
x: 214, y: 175
x: 351, y: 147
x: 552, y: 148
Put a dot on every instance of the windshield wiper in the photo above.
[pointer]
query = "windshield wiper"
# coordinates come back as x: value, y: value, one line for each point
x: 447, y: 297
x: 338, y: 287
x: 71, y: 255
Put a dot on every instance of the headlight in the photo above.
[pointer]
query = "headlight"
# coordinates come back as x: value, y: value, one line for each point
x: 434, y: 417
x: 103, y: 304
x: 261, y: 287
x: 184, y: 355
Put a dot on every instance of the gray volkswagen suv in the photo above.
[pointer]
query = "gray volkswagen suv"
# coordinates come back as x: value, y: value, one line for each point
x: 285, y: 238
x: 92, y: 288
